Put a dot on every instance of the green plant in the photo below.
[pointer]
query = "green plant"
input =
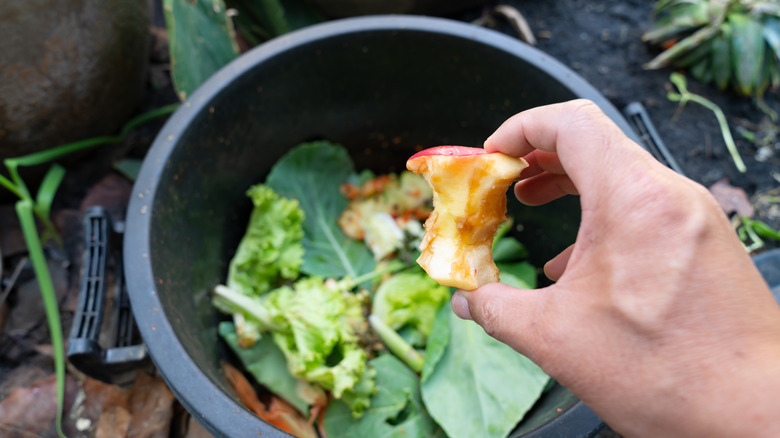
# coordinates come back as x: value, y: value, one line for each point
x: 684, y: 96
x: 751, y: 231
x: 203, y: 39
x: 730, y: 43
x: 29, y: 208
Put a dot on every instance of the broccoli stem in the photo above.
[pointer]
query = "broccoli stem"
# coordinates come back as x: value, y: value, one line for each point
x: 400, y: 348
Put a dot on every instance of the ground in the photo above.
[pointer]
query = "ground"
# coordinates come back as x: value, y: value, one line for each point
x: 601, y: 41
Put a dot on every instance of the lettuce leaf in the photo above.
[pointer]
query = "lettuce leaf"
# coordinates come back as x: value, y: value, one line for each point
x: 272, y: 246
x: 316, y: 324
x: 313, y: 173
x: 410, y: 299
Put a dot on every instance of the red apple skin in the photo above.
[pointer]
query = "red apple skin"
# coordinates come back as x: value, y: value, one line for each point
x: 459, y: 151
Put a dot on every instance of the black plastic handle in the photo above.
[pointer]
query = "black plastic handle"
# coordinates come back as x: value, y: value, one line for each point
x: 640, y: 121
x: 121, y: 353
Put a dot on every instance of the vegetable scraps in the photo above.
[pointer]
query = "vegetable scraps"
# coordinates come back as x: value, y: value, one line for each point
x: 332, y: 316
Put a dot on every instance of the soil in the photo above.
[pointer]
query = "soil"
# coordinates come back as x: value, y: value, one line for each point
x: 600, y: 40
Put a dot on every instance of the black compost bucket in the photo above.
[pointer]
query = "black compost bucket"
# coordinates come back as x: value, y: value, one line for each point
x: 382, y: 86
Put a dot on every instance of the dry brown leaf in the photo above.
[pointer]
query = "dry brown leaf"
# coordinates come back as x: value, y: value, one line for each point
x: 31, y: 411
x: 111, y: 193
x: 113, y: 422
x: 732, y: 199
x: 144, y: 410
x: 151, y: 403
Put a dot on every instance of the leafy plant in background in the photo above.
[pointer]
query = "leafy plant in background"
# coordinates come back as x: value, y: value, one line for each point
x: 29, y: 208
x: 203, y: 39
x: 729, y: 43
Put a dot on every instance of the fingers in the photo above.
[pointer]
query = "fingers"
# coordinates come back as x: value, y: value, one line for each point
x: 541, y: 161
x: 574, y: 137
x: 555, y: 267
x: 544, y: 188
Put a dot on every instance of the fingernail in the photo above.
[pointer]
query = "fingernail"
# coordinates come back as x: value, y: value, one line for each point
x: 487, y: 140
x: 460, y: 305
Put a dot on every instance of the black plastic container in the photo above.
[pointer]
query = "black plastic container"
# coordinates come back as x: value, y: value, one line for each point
x: 383, y: 86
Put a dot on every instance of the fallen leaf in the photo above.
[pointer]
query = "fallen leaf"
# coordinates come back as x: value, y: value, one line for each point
x: 113, y: 422
x: 20, y: 377
x: 151, y: 403
x: 732, y: 199
x: 143, y: 410
x: 31, y: 411
x: 111, y: 193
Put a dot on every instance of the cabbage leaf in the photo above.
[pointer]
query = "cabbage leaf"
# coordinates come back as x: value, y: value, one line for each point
x: 474, y: 385
x: 313, y: 174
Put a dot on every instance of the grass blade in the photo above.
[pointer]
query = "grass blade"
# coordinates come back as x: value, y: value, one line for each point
x: 24, y: 210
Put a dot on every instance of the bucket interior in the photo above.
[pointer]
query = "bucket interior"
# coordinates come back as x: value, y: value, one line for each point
x: 379, y: 86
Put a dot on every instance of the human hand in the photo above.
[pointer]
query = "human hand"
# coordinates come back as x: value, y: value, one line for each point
x: 658, y: 319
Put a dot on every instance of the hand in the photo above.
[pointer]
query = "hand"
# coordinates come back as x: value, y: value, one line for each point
x: 658, y: 319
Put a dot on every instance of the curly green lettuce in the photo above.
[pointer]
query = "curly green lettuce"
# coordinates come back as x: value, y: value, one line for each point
x: 271, y: 247
x: 410, y: 300
x: 317, y: 324
x: 270, y: 251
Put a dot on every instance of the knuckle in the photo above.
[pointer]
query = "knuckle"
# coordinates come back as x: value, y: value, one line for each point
x: 584, y: 111
x: 490, y: 316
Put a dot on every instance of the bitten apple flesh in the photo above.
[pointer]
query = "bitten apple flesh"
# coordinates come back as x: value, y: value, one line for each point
x: 469, y: 203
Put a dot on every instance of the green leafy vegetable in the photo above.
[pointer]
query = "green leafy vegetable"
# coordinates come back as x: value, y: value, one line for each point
x: 509, y: 249
x: 396, y: 409
x: 272, y: 245
x: 317, y: 325
x: 521, y: 275
x: 313, y: 173
x: 410, y: 299
x: 502, y: 384
x: 315, y: 333
x: 269, y: 251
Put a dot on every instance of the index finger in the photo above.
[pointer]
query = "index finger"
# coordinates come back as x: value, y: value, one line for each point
x: 578, y: 131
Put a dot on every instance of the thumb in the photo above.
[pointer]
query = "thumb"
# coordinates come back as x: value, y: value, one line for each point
x: 513, y: 316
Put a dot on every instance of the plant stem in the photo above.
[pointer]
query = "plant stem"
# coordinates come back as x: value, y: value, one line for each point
x: 397, y: 345
x: 679, y: 81
x: 69, y: 148
x: 724, y: 129
x: 391, y: 267
x: 24, y: 210
x: 230, y: 301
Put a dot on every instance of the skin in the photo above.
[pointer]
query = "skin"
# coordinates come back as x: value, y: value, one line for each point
x: 658, y: 319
